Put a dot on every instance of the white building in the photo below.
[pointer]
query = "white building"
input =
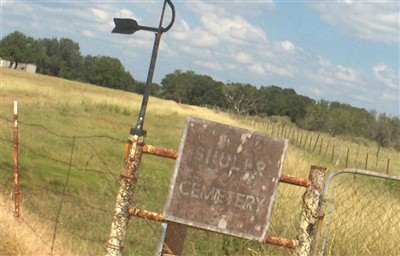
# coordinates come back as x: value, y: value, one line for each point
x: 21, y: 66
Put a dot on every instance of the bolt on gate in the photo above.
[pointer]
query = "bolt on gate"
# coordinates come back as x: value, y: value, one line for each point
x: 361, y: 212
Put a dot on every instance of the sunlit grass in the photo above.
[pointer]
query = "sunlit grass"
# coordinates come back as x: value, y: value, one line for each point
x: 82, y: 110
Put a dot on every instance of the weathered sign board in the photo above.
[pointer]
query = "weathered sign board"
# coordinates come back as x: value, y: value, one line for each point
x: 225, y: 179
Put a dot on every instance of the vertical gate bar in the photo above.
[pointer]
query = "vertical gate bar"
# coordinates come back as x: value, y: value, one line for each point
x: 388, y: 164
x: 16, y: 163
x: 327, y: 225
x: 308, y: 216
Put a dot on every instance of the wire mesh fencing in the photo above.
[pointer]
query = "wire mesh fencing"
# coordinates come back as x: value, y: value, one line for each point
x: 69, y: 183
x: 361, y: 214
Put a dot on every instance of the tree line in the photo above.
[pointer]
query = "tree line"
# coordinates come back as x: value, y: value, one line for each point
x: 62, y: 58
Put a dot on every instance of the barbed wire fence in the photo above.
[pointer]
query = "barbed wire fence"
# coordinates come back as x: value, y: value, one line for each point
x: 355, y: 153
x: 84, y: 210
x: 70, y: 186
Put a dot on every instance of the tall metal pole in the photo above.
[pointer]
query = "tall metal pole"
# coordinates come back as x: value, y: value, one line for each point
x: 135, y: 144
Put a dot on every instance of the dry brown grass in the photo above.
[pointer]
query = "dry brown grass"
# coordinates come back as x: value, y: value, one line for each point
x: 25, y: 235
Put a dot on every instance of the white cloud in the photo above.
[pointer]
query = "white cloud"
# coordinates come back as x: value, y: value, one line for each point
x: 287, y: 46
x: 370, y: 20
x: 257, y: 68
x: 329, y: 73
x: 101, y: 15
x: 390, y: 97
x: 386, y: 75
x: 227, y: 28
x: 213, y: 65
x: 363, y: 98
x: 242, y: 57
x: 88, y: 33
x: 345, y: 74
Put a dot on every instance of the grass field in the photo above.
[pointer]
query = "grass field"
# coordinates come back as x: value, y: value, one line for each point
x: 81, y: 129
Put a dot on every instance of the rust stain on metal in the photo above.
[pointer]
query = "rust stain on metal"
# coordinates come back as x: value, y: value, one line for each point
x: 280, y: 241
x: 154, y: 216
x: 225, y: 179
x: 289, y: 179
x: 159, y: 151
x: 129, y: 178
x: 145, y: 214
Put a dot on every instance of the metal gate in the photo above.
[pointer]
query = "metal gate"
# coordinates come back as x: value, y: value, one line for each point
x: 359, y: 214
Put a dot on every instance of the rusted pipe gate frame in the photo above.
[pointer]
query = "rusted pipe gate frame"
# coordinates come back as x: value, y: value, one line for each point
x: 171, y: 154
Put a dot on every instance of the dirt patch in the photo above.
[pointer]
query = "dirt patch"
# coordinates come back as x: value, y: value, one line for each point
x: 25, y: 235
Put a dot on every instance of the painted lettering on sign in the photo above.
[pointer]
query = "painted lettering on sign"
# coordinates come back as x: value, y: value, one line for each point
x: 223, y: 160
x: 225, y: 179
x: 215, y: 195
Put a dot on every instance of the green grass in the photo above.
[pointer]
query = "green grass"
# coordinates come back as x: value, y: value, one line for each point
x: 85, y: 111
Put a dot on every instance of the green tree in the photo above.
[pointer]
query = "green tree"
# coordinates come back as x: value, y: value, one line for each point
x: 51, y: 65
x: 106, y: 71
x: 191, y: 88
x: 242, y: 98
x: 18, y: 48
x: 71, y: 59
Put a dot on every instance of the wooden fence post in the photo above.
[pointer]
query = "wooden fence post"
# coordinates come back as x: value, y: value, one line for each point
x: 366, y: 160
x: 377, y: 156
x: 308, y: 217
x: 347, y: 157
x: 333, y: 152
x: 320, y: 146
x: 316, y: 141
x: 305, y: 141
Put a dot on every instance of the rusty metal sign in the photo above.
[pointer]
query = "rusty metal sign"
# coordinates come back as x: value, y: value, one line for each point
x: 225, y: 179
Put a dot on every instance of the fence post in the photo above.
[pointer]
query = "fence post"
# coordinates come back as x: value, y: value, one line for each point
x: 301, y: 140
x: 128, y: 181
x: 308, y: 217
x: 305, y: 141
x: 316, y: 141
x: 16, y: 163
x: 320, y: 146
x: 388, y: 164
x: 366, y: 160
x: 172, y: 239
x: 377, y: 156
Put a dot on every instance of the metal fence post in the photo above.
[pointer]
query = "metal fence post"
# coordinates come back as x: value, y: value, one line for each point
x: 16, y: 164
x: 308, y: 217
x: 129, y: 178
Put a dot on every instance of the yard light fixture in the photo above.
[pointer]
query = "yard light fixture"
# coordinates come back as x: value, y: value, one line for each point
x: 130, y: 26
x: 134, y: 147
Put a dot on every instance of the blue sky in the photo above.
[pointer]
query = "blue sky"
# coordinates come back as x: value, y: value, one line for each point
x: 346, y: 51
